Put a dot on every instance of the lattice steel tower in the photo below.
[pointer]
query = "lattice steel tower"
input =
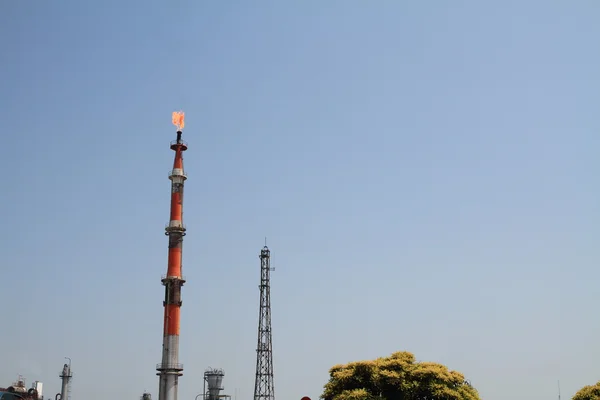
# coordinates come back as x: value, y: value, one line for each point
x: 263, y: 385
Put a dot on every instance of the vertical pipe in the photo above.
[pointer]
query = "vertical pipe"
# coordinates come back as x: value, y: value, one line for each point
x: 65, y: 377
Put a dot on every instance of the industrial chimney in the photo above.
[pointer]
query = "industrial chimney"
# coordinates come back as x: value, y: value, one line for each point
x: 213, y: 378
x: 65, y: 376
x: 170, y: 369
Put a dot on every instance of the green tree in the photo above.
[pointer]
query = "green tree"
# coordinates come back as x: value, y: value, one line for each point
x: 590, y: 392
x: 397, y: 377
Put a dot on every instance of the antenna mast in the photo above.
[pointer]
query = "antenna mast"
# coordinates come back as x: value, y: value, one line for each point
x: 263, y: 385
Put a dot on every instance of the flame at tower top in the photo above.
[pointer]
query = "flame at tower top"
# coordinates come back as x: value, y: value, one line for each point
x: 179, y: 120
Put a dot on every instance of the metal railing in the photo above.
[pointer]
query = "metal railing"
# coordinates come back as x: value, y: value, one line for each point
x: 162, y: 278
x: 182, y: 142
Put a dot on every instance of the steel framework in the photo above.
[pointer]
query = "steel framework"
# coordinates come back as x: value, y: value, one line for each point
x: 263, y: 384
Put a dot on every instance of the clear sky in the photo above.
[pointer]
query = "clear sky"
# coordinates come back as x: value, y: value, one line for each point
x: 426, y: 174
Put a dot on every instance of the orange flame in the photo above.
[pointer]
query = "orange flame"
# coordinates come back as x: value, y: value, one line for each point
x: 179, y: 119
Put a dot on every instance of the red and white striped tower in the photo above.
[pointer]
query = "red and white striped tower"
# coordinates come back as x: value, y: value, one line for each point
x: 169, y: 370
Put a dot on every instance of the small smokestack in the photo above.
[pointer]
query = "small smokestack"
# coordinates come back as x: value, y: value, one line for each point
x: 65, y: 377
x: 214, y: 381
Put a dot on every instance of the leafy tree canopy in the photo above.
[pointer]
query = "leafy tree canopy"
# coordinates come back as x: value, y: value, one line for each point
x: 590, y: 392
x: 397, y: 377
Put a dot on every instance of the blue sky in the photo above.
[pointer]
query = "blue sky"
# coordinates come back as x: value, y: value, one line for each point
x: 425, y: 172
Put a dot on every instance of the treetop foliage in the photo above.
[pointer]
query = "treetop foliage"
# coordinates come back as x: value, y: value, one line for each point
x: 590, y: 392
x: 397, y: 377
